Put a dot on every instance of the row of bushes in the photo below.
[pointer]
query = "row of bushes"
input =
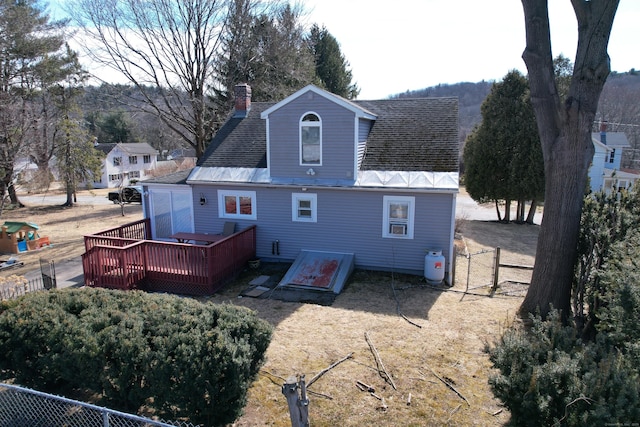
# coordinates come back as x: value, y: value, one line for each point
x: 586, y: 371
x: 178, y: 357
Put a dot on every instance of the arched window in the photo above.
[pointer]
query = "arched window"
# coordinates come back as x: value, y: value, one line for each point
x: 310, y: 139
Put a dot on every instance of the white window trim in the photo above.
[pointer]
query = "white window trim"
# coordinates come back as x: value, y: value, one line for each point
x: 296, y: 198
x: 310, y: 124
x: 387, y: 200
x: 221, y: 205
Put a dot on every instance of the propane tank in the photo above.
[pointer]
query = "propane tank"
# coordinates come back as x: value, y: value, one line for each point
x: 434, y: 267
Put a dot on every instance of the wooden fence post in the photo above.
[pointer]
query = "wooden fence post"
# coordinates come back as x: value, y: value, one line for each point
x: 298, y: 404
x: 496, y: 270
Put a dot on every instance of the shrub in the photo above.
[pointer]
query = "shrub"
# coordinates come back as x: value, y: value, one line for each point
x: 586, y: 372
x: 547, y: 376
x: 179, y: 357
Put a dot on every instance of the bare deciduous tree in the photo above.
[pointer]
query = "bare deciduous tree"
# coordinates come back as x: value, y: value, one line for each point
x: 166, y: 49
x: 565, y: 134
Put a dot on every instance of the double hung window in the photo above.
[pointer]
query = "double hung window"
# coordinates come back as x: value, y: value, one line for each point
x: 304, y: 207
x: 399, y: 214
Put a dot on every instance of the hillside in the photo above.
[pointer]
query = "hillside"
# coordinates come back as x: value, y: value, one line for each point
x: 618, y: 106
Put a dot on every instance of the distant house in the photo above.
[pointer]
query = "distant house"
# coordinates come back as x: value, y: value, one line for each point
x: 605, y: 172
x: 125, y: 163
x: 375, y: 179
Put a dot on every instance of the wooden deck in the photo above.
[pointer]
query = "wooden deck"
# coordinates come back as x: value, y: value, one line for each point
x: 126, y: 258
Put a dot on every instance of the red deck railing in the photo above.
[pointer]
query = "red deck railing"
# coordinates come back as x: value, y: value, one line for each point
x: 116, y: 259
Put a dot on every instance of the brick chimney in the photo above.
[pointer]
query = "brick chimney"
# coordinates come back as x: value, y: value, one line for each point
x: 242, y: 93
x: 603, y: 132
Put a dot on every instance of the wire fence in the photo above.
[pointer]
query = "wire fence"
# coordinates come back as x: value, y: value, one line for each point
x: 476, y: 270
x: 484, y: 271
x: 21, y: 406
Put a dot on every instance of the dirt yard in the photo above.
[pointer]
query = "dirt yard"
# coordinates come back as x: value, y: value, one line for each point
x: 423, y: 336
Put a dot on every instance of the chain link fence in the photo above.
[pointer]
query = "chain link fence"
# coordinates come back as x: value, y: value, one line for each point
x: 20, y: 406
x: 475, y: 270
x: 484, y: 270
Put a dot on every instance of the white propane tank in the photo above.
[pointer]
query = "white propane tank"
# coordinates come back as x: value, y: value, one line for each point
x: 434, y: 267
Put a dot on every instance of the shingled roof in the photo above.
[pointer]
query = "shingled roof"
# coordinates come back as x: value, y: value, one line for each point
x: 419, y: 134
x: 241, y: 142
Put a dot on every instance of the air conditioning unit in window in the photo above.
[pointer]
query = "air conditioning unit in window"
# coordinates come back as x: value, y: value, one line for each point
x: 398, y: 229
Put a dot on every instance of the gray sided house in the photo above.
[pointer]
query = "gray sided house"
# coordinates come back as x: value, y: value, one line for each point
x: 316, y: 172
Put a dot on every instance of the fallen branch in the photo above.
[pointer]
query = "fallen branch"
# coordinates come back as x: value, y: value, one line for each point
x: 325, y: 370
x: 450, y: 386
x: 381, y: 368
x: 453, y: 412
x: 365, y: 387
x: 315, y: 393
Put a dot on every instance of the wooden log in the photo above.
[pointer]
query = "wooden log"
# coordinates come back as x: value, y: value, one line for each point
x: 298, y: 407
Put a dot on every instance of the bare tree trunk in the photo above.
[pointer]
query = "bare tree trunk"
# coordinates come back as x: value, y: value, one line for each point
x: 498, y: 211
x: 565, y: 134
x: 507, y: 211
x: 8, y: 186
x: 532, y: 211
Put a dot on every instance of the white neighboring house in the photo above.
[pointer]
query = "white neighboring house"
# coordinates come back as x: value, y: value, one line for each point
x: 125, y: 163
x: 605, y: 172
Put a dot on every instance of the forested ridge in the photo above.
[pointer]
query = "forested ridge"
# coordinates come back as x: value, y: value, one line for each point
x: 618, y: 106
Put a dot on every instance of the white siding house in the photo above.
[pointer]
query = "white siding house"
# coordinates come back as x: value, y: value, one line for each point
x: 125, y: 163
x: 605, y: 172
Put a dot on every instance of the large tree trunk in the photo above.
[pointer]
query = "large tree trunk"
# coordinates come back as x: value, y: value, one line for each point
x: 532, y: 211
x: 565, y: 134
x: 507, y: 211
x: 7, y: 185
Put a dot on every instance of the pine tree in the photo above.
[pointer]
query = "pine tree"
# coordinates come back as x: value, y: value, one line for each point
x: 29, y: 43
x: 331, y: 65
x: 503, y: 159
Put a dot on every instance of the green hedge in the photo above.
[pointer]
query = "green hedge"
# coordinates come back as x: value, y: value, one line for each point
x: 177, y: 356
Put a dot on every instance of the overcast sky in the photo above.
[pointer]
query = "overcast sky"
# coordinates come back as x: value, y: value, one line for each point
x: 413, y: 44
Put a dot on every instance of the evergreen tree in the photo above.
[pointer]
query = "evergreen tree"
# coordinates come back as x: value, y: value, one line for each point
x: 503, y: 159
x: 28, y: 40
x: 76, y: 158
x: 115, y: 127
x: 331, y: 66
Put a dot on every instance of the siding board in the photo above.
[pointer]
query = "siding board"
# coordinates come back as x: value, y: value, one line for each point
x: 337, y: 139
x: 347, y: 221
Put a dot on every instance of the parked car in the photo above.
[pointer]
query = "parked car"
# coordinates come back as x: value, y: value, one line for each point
x: 130, y: 194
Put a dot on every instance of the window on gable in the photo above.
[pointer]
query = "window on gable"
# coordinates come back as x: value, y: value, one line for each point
x: 399, y: 216
x: 133, y: 160
x: 237, y: 204
x: 310, y: 140
x: 117, y: 161
x: 304, y: 207
x: 612, y: 155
